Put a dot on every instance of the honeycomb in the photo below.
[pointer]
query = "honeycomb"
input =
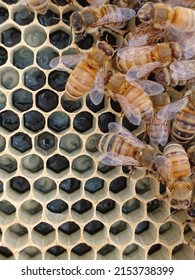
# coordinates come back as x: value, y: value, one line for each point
x: 56, y: 200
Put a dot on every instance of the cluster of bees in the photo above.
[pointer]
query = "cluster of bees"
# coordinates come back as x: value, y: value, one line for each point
x: 161, y: 46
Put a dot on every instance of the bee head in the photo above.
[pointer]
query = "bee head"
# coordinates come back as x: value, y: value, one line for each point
x: 181, y: 193
x: 76, y: 22
x: 176, y: 51
x: 191, y: 210
x: 146, y: 12
x: 106, y: 48
x: 148, y: 158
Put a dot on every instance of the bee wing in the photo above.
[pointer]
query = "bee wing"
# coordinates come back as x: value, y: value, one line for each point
x: 69, y: 60
x: 126, y: 134
x: 96, y: 92
x: 119, y: 15
x: 129, y: 53
x: 98, y: 3
x: 138, y: 40
x: 158, y: 128
x: 137, y: 72
x: 186, y: 3
x: 150, y: 87
x: 131, y: 112
x: 183, y: 70
x: 163, y: 166
x: 114, y: 159
x: 187, y: 43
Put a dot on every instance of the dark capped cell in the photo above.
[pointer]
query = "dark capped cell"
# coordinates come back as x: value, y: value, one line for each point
x: 34, y: 121
x: 5, y: 251
x: 57, y: 163
x: 8, y: 163
x: 118, y: 184
x: 109, y: 38
x: 105, y: 206
x: 115, y: 105
x: 57, y: 206
x: 3, y: 56
x: 118, y: 227
x: 70, y: 185
x: 81, y: 206
x: 128, y: 125
x: 66, y: 17
x: 106, y: 249
x: 10, y: 2
x: 57, y: 80
x: 179, y: 88
x: 3, y: 15
x: 45, y: 185
x: 141, y: 227
x: 162, y: 188
x: 23, y: 57
x: 104, y: 119
x: 11, y: 37
x: 59, y: 39
x: 69, y: 105
x: 84, y: 42
x: 130, y: 206
x: 34, y: 78
x: 44, y: 228
x: 22, y: 99
x: 47, y: 100
x: 19, y: 184
x: 81, y: 249
x: 69, y: 228
x: 83, y: 3
x: 93, y: 227
x: 153, y: 205
x: 1, y: 186
x: 9, y: 120
x: 93, y: 185
x: 46, y: 141
x: 60, y: 2
x: 56, y: 250
x: 23, y: 16
x: 44, y: 57
x: 83, y: 121
x: 93, y: 107
x: 49, y: 19
x: 58, y: 121
x: 103, y: 168
x: 154, y: 248
x: 7, y: 208
x: 22, y: 142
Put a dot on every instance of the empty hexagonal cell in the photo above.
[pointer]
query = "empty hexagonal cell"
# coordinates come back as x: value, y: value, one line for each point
x: 91, y: 143
x: 82, y: 211
x: 8, y: 164
x: 109, y: 37
x: 133, y: 210
x: 16, y: 236
x: 107, y: 210
x: 11, y: 37
x: 94, y: 233
x: 30, y: 253
x: 22, y: 16
x: 145, y: 233
x: 83, y: 165
x: 59, y: 39
x: 46, y: 100
x: 69, y: 105
x: 56, y: 252
x: 44, y: 188
x: 9, y: 120
x: 182, y: 252
x: 85, y: 41
x: 32, y: 164
x: 18, y: 188
x: 23, y: 57
x: 34, y: 36
x: 83, y: 122
x: 133, y: 252
x: 57, y: 210
x: 70, y: 189
x: 71, y: 143
x: 169, y: 233
x: 120, y: 232
x: 158, y: 252
x: 3, y: 14
x: 46, y: 143
x: 49, y: 19
x: 43, y: 234
x: 66, y: 16
x: 6, y: 253
x: 3, y: 54
x: 69, y: 233
x: 94, y: 108
x: 2, y: 143
x: 44, y: 56
x: 120, y: 187
x: 108, y: 252
x: 146, y: 188
x: 157, y: 210
x: 22, y: 99
x: 9, y: 77
x: 57, y: 80
x: 34, y: 120
x: 21, y: 142
x: 58, y: 121
x: 128, y: 125
x: 82, y: 251
x: 30, y: 211
x: 34, y: 78
x: 57, y: 163
x: 104, y: 119
x: 7, y: 212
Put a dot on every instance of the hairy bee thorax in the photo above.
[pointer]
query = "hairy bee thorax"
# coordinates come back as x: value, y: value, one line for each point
x: 167, y: 52
x: 90, y: 16
x: 100, y: 54
x: 147, y: 158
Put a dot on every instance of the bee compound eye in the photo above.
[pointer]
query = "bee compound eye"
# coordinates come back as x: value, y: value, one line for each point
x: 174, y: 202
x: 186, y: 202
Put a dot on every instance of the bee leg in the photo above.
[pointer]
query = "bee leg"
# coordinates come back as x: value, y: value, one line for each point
x: 161, y: 196
x: 131, y: 171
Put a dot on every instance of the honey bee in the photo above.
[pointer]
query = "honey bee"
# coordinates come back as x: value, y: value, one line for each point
x: 164, y: 15
x: 121, y: 147
x: 191, y: 155
x: 186, y: 3
x: 40, y: 6
x: 88, y: 75
x: 174, y: 167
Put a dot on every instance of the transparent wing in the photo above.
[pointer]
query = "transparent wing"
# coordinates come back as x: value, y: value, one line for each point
x: 186, y: 3
x: 126, y: 134
x: 96, y: 93
x: 114, y: 159
x: 138, y: 40
x: 187, y: 44
x: 69, y: 60
x: 183, y: 70
x: 150, y: 87
x: 119, y: 15
x: 137, y: 72
x: 129, y: 53
x: 131, y: 112
x: 98, y: 3
x: 158, y: 128
x: 163, y: 166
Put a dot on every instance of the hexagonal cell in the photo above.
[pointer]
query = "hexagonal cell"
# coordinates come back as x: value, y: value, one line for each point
x: 69, y: 105
x: 22, y: 99
x: 16, y: 235
x: 71, y: 143
x: 104, y: 119
x: 133, y: 210
x: 46, y: 143
x: 23, y: 57
x: 57, y: 80
x: 21, y: 142
x: 34, y: 78
x: 118, y: 184
x: 3, y: 15
x: 110, y: 38
x: 146, y: 188
x: 69, y: 233
x: 81, y: 251
x: 108, y: 252
x: 9, y: 77
x: 91, y: 143
x: 94, y: 185
x: 85, y: 41
x: 95, y: 232
x: 107, y: 210
x: 49, y: 19
x: 57, y: 163
x: 8, y: 163
x: 115, y: 105
x: 83, y: 165
x: 44, y: 56
x: 56, y: 252
x: 59, y: 39
x: 44, y: 188
x: 169, y: 233
x: 146, y: 233
x: 7, y: 212
x: 11, y: 37
x: 82, y: 211
x: 46, y: 100
x: 30, y: 211
x: 43, y: 234
x: 188, y: 232
x: 94, y: 108
x: 34, y: 120
x: 5, y: 253
x: 133, y: 252
x: 72, y: 187
x: 158, y: 252
x: 30, y: 253
x: 22, y: 16
x: 34, y: 36
x: 182, y: 252
x: 107, y: 171
x: 3, y: 54
x: 120, y: 232
x: 58, y: 121
x: 83, y: 122
x: 32, y: 164
x: 57, y: 206
x: 20, y: 184
x: 9, y: 120
x: 157, y: 210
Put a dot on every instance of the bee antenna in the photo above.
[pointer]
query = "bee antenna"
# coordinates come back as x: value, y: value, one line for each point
x: 65, y: 20
x: 170, y: 215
